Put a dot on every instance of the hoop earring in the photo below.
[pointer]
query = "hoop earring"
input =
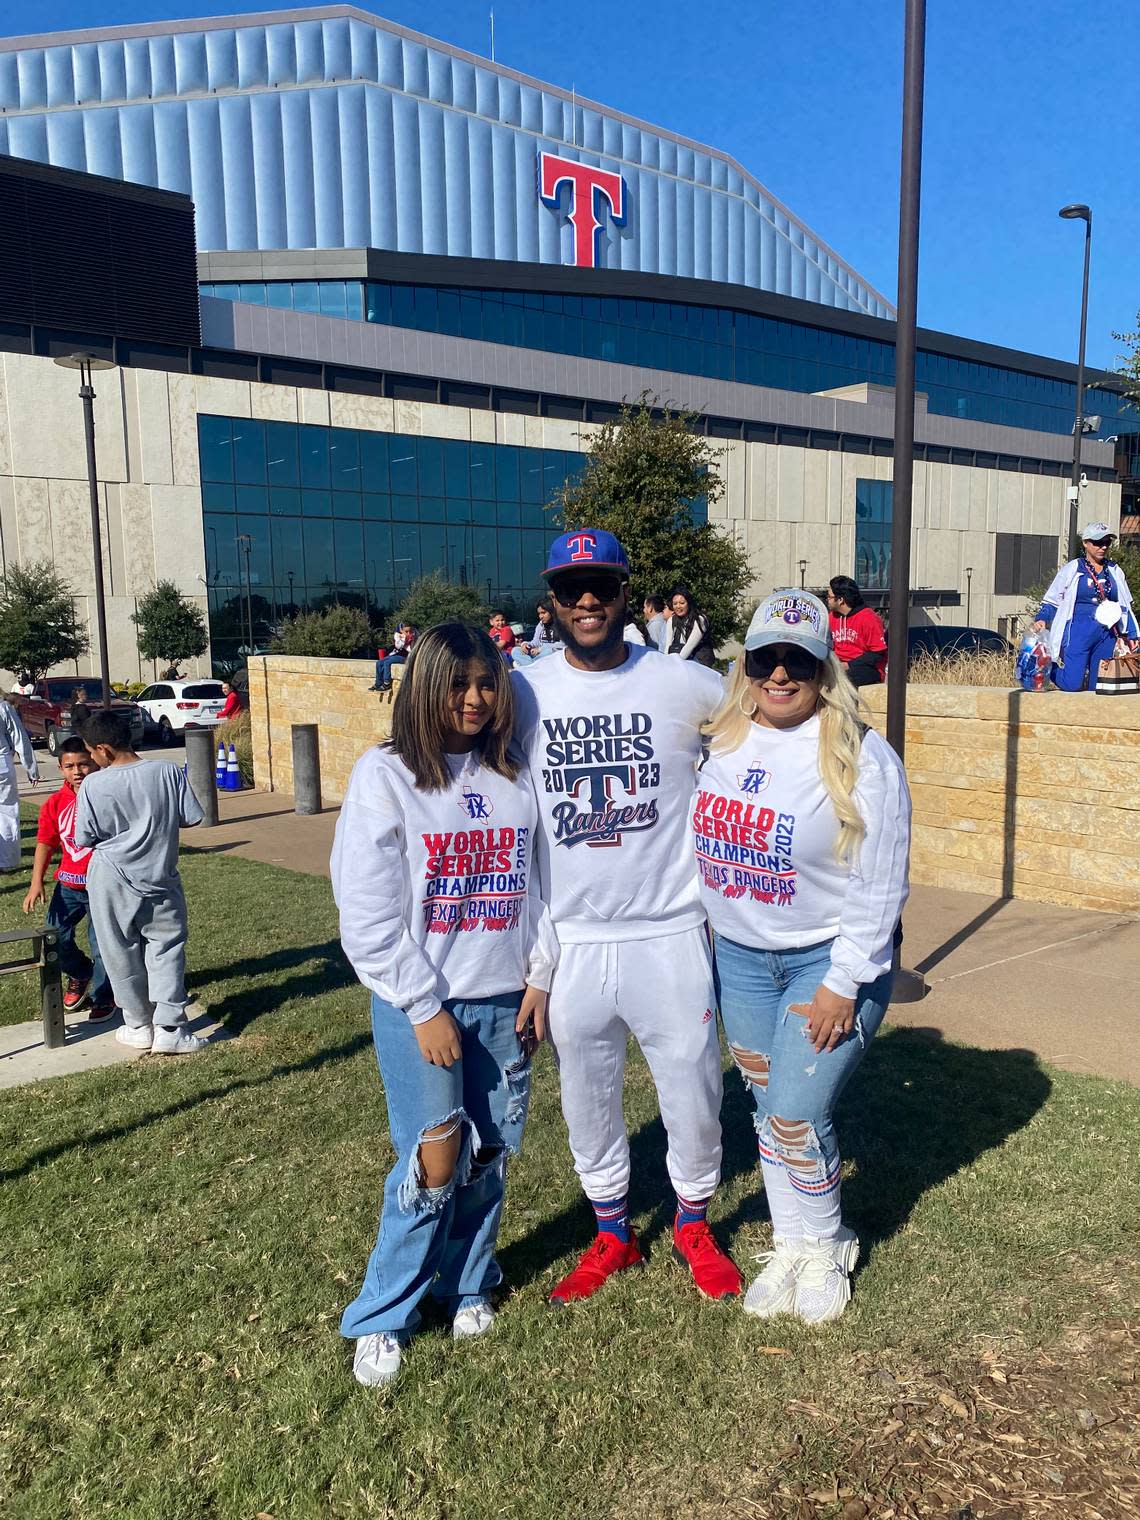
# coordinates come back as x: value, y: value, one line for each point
x: 749, y: 713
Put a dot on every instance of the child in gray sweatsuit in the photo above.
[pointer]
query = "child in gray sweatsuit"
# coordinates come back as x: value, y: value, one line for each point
x: 131, y: 815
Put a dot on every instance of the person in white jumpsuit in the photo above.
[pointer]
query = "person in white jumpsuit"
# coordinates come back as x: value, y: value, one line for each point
x: 14, y: 744
x: 611, y: 733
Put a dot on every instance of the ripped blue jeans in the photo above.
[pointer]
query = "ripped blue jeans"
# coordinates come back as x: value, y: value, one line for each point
x: 800, y: 1086
x: 442, y: 1239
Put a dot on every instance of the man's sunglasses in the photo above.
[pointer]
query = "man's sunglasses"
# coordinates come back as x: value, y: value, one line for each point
x: 568, y: 590
x: 798, y: 663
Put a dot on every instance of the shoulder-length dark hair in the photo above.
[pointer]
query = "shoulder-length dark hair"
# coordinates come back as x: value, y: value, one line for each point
x: 421, y: 720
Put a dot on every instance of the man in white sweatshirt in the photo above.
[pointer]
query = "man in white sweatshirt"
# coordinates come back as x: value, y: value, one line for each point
x: 612, y: 737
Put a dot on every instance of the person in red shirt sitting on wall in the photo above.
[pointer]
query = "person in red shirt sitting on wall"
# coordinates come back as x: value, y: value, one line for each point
x: 856, y: 633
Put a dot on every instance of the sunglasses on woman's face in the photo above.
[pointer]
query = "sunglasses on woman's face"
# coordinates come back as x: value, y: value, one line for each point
x: 799, y: 665
x: 569, y: 590
x: 1101, y: 543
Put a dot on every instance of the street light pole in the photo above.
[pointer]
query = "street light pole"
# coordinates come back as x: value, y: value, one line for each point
x: 1081, y: 213
x: 906, y: 320
x: 969, y: 576
x: 803, y: 572
x: 245, y: 544
x: 85, y: 363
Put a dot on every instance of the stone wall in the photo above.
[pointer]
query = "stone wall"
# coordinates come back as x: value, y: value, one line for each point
x: 1024, y: 794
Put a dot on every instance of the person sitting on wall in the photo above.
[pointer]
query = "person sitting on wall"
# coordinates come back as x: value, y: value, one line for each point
x: 856, y: 633
x: 233, y: 704
x: 502, y: 634
x: 1087, y: 607
x: 402, y: 641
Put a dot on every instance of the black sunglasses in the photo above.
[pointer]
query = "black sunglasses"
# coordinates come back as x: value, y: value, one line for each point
x: 568, y: 590
x: 798, y: 663
x: 1101, y: 543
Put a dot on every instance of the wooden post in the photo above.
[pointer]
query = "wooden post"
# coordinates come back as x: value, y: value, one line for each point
x: 51, y: 993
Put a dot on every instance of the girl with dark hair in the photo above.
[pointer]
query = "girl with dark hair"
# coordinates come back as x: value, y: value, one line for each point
x: 689, y: 634
x: 440, y: 916
x: 546, y: 639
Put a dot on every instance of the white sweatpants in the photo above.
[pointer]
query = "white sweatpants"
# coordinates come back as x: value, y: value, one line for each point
x: 9, y: 814
x: 661, y: 992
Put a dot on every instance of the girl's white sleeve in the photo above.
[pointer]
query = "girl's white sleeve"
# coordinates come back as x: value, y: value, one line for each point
x: 695, y: 637
x: 879, y: 883
x: 372, y: 892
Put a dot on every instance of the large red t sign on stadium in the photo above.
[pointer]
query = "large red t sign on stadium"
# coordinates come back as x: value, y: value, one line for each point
x: 588, y: 186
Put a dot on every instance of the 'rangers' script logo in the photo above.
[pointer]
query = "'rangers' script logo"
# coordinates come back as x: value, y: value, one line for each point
x: 588, y: 188
x: 602, y: 766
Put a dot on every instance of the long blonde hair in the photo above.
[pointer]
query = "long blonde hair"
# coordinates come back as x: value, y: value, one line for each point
x: 841, y: 731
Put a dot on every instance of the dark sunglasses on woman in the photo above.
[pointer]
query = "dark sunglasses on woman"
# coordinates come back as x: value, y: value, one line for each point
x: 799, y: 665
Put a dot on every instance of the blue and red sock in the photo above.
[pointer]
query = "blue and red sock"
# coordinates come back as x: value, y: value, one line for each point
x: 612, y: 1216
x: 690, y: 1211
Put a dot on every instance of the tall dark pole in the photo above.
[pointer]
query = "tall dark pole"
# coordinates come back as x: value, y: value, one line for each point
x: 910, y: 179
x: 87, y: 396
x: 245, y: 544
x: 1081, y: 213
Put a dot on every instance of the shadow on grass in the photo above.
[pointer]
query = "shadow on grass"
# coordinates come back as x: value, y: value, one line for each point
x: 324, y: 1057
x: 917, y: 1111
x: 269, y: 991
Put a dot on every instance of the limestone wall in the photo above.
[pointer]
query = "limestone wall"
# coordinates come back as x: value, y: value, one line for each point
x: 1016, y: 794
x: 1024, y: 794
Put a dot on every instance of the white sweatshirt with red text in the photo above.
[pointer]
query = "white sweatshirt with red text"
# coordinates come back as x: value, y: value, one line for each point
x: 764, y: 835
x: 437, y: 893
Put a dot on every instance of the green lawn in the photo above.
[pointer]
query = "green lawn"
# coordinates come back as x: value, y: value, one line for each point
x: 180, y: 1238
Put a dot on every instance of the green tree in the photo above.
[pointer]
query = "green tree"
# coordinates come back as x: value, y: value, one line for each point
x: 39, y: 626
x: 340, y: 633
x: 643, y: 472
x: 1129, y: 364
x: 171, y: 629
x: 434, y: 599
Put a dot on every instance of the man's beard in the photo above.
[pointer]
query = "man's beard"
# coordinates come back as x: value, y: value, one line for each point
x: 590, y: 654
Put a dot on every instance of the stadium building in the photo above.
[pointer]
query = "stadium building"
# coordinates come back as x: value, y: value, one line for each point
x: 419, y: 278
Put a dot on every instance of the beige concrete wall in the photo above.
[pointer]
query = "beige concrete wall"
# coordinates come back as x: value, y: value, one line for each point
x: 1016, y: 794
x: 1023, y: 794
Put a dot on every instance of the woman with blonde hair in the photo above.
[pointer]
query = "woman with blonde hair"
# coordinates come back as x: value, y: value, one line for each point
x: 440, y: 916
x: 801, y: 827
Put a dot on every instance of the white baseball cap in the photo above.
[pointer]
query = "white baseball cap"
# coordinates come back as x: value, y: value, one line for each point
x: 791, y: 617
x: 1094, y: 531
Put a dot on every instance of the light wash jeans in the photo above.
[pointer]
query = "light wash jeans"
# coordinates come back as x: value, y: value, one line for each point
x: 756, y: 989
x: 442, y: 1239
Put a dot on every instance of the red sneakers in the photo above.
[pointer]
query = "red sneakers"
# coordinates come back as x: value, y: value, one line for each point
x: 598, y: 1262
x: 75, y: 994
x: 714, y: 1271
x: 99, y: 1013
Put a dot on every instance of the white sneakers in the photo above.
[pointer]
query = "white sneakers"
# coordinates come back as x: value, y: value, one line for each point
x: 808, y: 1278
x: 376, y: 1360
x: 477, y: 1319
x: 161, y: 1042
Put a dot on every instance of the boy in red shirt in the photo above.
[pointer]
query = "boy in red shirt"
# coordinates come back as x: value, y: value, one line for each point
x: 86, y: 978
x: 856, y: 633
x: 502, y: 633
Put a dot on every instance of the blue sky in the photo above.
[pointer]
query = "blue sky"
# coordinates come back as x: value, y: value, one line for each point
x: 1029, y: 105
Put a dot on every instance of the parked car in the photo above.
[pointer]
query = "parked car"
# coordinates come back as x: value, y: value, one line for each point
x: 942, y: 642
x: 170, y: 707
x: 46, y: 712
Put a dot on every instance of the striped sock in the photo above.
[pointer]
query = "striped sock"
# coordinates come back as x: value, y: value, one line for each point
x: 612, y: 1216
x: 689, y: 1212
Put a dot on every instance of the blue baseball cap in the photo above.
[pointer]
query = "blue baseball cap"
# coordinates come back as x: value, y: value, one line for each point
x: 586, y: 549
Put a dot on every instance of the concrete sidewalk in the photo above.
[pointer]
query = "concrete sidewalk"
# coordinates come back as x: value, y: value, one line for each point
x: 1001, y: 974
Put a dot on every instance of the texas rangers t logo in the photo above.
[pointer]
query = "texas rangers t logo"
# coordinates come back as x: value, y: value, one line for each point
x: 588, y: 188
x: 582, y: 546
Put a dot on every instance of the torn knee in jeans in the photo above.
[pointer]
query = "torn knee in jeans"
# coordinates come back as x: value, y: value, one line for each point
x: 517, y: 1077
x: 796, y: 1143
x: 753, y: 1066
x: 439, y: 1163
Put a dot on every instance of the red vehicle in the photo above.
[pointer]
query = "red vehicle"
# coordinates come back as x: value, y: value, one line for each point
x: 46, y: 714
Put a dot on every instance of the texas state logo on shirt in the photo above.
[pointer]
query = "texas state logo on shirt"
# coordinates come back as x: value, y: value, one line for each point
x: 602, y: 772
x: 744, y: 849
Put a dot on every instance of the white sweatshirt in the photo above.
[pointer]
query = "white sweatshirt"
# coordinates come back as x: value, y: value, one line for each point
x: 764, y: 832
x: 436, y: 890
x: 613, y: 757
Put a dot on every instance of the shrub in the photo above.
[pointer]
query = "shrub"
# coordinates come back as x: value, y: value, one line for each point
x: 434, y: 599
x: 340, y: 633
x: 239, y: 732
x: 968, y: 668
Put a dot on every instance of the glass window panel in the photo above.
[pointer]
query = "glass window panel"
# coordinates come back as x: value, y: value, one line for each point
x: 403, y: 464
x: 306, y: 296
x: 482, y: 468
x: 279, y: 294
x: 378, y: 554
x: 484, y: 556
x: 403, y: 305
x: 470, y: 315
x: 288, y: 552
x: 253, y: 499
x: 216, y: 497
x: 378, y: 303
x: 459, y: 509
x: 433, y: 549
x: 256, y: 551
x: 313, y: 446
x: 406, y: 561
x: 354, y: 300
x: 426, y: 307
x: 507, y: 472
x: 509, y: 546
x: 281, y: 453
x: 407, y: 508
x: 221, y: 549
x: 374, y: 461
x: 531, y: 475
x: 377, y: 505
x: 249, y: 451
x: 316, y: 503
x: 457, y: 552
x: 483, y: 512
x: 448, y: 315
x: 253, y: 292
x: 344, y: 459
x: 456, y: 468
x: 285, y: 501
x: 348, y: 546
x: 431, y: 466
x: 534, y: 515
x: 332, y: 298
x: 346, y: 504
x: 226, y: 292
x: 430, y: 509
x: 319, y: 564
x: 508, y: 514
x: 553, y: 472
x: 215, y: 448
x: 534, y: 547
